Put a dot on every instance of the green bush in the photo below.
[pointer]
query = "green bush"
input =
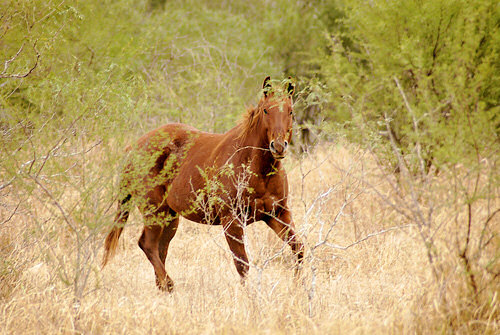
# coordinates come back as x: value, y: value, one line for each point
x: 430, y: 70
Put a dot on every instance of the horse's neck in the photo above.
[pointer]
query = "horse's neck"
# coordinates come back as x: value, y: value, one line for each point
x: 253, y: 149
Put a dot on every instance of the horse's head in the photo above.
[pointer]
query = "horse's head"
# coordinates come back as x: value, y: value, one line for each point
x: 276, y: 112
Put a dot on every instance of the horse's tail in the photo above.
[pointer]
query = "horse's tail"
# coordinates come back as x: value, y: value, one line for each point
x: 111, y: 241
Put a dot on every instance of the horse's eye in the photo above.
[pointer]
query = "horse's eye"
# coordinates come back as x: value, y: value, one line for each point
x: 265, y: 111
x: 291, y: 113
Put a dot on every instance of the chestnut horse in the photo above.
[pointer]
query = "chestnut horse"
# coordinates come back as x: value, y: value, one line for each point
x: 230, y: 179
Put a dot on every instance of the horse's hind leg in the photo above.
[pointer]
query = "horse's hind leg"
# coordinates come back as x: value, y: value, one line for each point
x: 168, y: 232
x: 157, y: 231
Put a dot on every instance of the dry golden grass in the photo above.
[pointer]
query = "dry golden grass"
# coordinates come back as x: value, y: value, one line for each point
x: 383, y: 284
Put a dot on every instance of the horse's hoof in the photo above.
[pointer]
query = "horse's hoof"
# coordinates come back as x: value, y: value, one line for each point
x: 167, y: 286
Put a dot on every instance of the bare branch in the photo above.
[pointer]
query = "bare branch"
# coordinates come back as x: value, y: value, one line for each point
x: 4, y: 73
x: 336, y: 246
x: 415, y: 125
x: 12, y: 214
x: 6, y: 184
x: 65, y: 215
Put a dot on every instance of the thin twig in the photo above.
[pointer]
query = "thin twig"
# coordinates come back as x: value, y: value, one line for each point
x: 336, y: 246
x: 19, y: 76
x: 415, y: 126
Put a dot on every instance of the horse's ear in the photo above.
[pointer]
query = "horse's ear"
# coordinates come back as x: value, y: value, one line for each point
x: 266, y: 86
x: 290, y: 87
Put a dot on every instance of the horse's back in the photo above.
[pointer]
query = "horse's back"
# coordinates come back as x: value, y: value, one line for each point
x: 168, y: 134
x: 169, y: 150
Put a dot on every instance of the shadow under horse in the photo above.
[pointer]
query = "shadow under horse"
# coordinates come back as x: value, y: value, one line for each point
x: 230, y: 179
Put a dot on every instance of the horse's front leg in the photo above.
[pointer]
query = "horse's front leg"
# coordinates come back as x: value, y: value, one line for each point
x: 283, y: 226
x: 233, y: 230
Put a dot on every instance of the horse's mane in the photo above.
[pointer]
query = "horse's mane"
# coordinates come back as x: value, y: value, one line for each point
x: 249, y: 121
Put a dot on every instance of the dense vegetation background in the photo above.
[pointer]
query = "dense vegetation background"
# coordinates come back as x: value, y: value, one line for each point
x: 414, y: 84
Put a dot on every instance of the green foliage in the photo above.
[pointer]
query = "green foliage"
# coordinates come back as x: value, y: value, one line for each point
x: 431, y: 69
x: 187, y: 63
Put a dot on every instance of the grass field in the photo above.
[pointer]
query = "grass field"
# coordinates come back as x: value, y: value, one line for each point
x: 366, y: 269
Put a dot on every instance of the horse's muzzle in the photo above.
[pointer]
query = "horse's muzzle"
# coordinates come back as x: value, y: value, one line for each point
x: 278, y: 148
